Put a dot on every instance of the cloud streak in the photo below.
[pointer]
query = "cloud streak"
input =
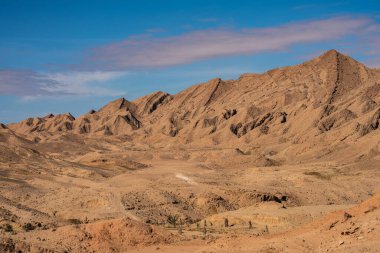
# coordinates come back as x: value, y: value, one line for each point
x: 78, y: 83
x: 30, y: 84
x: 24, y: 83
x: 204, y: 44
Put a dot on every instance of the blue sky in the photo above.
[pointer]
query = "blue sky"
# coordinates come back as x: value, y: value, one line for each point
x: 72, y: 56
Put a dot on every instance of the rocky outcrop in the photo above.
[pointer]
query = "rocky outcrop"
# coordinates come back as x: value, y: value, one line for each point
x: 373, y: 124
x: 150, y: 103
x: 262, y: 122
x: 336, y: 120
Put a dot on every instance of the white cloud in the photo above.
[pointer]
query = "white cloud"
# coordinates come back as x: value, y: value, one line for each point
x: 82, y: 83
x: 32, y: 85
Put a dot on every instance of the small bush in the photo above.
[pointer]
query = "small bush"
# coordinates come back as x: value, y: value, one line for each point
x: 28, y: 227
x: 172, y: 220
x: 8, y: 228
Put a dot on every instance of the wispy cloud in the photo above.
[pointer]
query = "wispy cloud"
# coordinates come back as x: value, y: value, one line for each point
x: 374, y: 62
x: 109, y: 62
x: 371, y: 38
x: 203, y: 44
x: 366, y: 44
x: 30, y: 85
x: 75, y: 82
x: 318, y: 5
x: 155, y: 30
x: 24, y: 83
x: 207, y: 20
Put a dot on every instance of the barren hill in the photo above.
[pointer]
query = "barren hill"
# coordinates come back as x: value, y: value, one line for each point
x: 330, y: 97
x: 271, y: 162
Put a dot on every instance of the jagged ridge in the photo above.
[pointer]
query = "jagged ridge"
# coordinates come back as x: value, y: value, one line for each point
x: 329, y: 92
